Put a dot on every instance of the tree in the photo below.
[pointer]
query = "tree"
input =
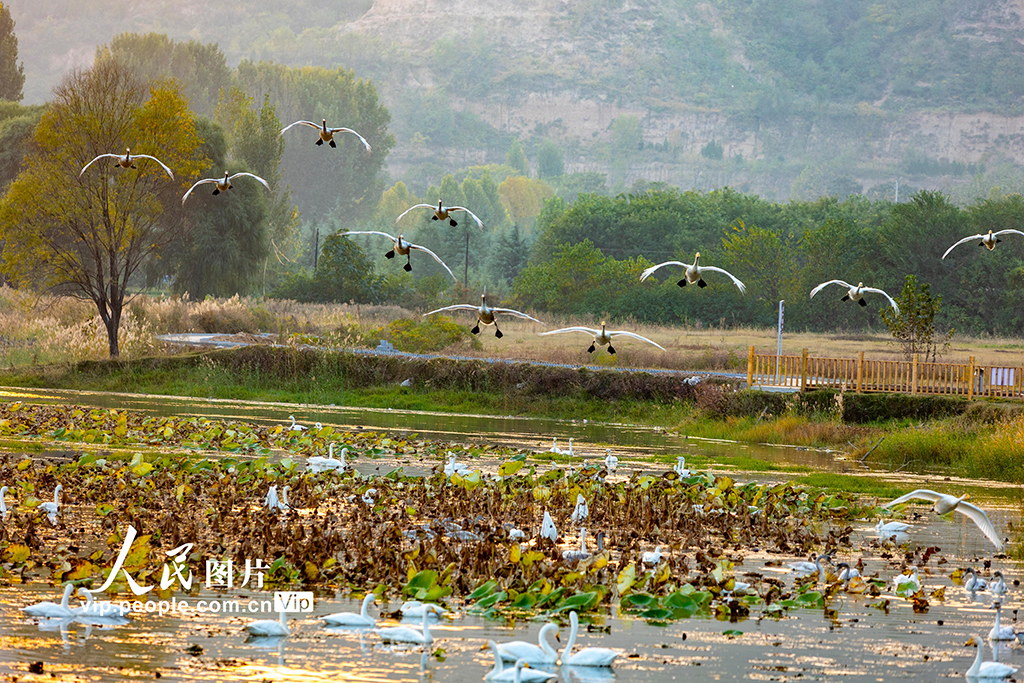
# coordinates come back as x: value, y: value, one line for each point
x: 550, y: 162
x: 713, y: 150
x: 509, y: 255
x: 913, y: 327
x: 201, y: 69
x: 516, y: 158
x: 88, y: 235
x: 315, y: 93
x: 523, y: 199
x: 12, y: 74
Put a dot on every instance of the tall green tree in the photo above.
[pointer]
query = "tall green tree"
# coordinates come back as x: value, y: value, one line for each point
x: 913, y: 328
x: 12, y: 74
x: 550, y: 162
x: 516, y: 158
x: 200, y: 69
x: 355, y: 176
x: 88, y: 235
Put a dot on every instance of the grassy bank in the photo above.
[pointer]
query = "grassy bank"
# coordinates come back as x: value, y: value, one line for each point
x: 917, y: 433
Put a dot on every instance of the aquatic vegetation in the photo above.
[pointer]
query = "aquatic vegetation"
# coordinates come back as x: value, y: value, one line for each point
x: 193, y: 480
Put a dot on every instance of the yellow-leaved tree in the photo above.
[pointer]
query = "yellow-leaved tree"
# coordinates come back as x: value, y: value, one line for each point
x: 87, y: 234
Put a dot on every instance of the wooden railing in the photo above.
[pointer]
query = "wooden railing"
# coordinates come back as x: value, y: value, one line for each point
x: 806, y: 372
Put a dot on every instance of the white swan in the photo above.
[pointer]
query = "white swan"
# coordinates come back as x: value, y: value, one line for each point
x: 554, y: 447
x: 652, y: 558
x: 319, y: 464
x: 680, y: 467
x: 603, y: 337
x: 273, y: 502
x: 610, y: 461
x: 581, y: 511
x: 569, y: 450
x: 52, y: 610
x: 414, y: 609
x: 846, y: 572
x: 989, y: 241
x: 295, y: 426
x: 367, y: 497
x: 542, y: 653
x: 3, y: 503
x: 912, y: 578
x: 694, y: 273
x: 588, y: 656
x: 403, y: 248
x: 485, y: 314
x: 51, y: 509
x: 998, y: 587
x: 582, y: 553
x: 855, y: 293
x: 442, y: 212
x: 407, y: 634
x: 887, y: 530
x: 1000, y: 632
x: 547, y: 528
x: 453, y: 467
x: 327, y: 134
x: 270, y: 627
x: 987, y: 670
x: 500, y: 673
x: 351, y: 618
x: 127, y: 160
x: 975, y: 584
x: 223, y: 185
x: 805, y: 567
x: 944, y: 504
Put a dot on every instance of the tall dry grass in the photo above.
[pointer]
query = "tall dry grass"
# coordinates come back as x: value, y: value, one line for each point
x: 45, y: 328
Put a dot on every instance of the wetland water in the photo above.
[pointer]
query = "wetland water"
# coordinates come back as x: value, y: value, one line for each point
x: 852, y: 639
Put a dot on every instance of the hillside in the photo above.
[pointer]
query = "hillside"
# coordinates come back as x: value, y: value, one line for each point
x: 804, y: 98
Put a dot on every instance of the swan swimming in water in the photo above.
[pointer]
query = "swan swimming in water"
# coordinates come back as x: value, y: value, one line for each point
x: 52, y: 610
x: 542, y: 653
x: 51, y: 509
x: 588, y: 656
x: 500, y: 673
x: 351, y: 618
x: 986, y: 670
x: 270, y: 627
x: 407, y: 634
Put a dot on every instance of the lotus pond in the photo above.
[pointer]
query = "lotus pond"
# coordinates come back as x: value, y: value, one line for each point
x: 395, y: 523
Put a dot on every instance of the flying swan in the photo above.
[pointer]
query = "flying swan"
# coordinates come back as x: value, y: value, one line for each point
x: 855, y: 293
x: 327, y: 134
x: 603, y: 337
x: 694, y: 273
x: 485, y: 314
x: 944, y: 504
x: 222, y: 185
x: 128, y: 161
x: 403, y: 248
x: 442, y: 212
x: 988, y: 241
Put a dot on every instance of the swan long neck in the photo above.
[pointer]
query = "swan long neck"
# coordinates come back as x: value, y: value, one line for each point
x: 56, y: 496
x: 977, y: 658
x: 67, y: 595
x: 427, y: 638
x: 365, y: 614
x: 499, y: 666
x: 283, y: 619
x: 574, y: 627
x: 325, y: 125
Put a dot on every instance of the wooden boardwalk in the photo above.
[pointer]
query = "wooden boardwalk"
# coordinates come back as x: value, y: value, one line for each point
x: 805, y: 372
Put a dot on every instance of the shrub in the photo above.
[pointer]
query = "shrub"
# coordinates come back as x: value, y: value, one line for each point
x: 433, y: 333
x: 861, y: 408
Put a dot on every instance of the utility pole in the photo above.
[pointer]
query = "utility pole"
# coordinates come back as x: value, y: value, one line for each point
x: 778, y: 349
x: 316, y: 248
x: 465, y: 268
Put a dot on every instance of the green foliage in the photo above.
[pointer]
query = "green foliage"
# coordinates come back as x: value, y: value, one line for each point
x: 90, y: 235
x: 550, y: 161
x: 712, y: 150
x: 201, y: 70
x: 430, y: 334
x: 17, y: 124
x: 12, y: 74
x: 913, y: 327
x: 344, y: 273
x: 516, y: 159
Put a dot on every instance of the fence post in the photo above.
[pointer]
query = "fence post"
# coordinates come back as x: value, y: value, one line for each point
x: 913, y: 374
x: 750, y: 367
x: 860, y: 372
x: 970, y: 379
x: 803, y: 370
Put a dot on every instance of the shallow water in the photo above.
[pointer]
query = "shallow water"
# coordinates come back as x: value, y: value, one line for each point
x: 590, y: 438
x: 857, y: 642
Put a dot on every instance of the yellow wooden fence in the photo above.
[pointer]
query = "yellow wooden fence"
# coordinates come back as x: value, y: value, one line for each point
x: 805, y: 372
